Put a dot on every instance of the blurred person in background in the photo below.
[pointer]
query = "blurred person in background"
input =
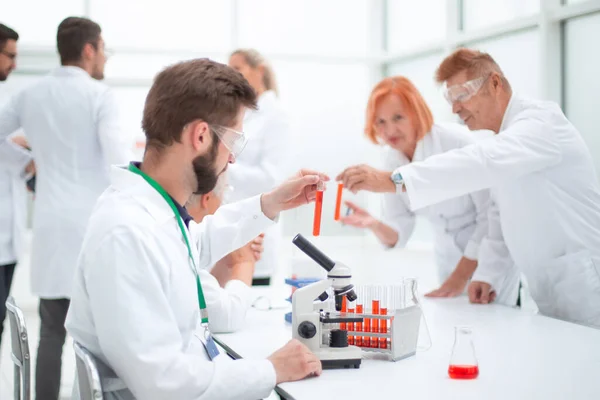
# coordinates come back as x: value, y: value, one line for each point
x: 238, y: 265
x: 71, y: 121
x: 15, y: 166
x: 264, y: 162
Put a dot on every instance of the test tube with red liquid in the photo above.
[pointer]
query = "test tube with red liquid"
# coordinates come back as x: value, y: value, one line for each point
x: 318, y: 208
x: 359, y: 310
x: 383, y: 323
x: 375, y: 299
x: 366, y: 341
x: 344, y: 311
x: 350, y: 325
x: 338, y: 202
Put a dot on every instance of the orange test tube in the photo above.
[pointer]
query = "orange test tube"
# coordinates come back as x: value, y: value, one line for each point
x: 318, y: 209
x: 350, y: 325
x: 344, y: 311
x: 375, y: 323
x: 338, y: 202
x: 383, y: 328
x: 359, y: 326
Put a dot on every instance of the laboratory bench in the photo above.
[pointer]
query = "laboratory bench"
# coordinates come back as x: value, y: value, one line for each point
x: 521, y: 355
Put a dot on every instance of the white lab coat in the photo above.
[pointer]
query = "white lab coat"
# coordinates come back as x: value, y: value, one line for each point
x: 13, y: 200
x: 71, y: 123
x: 547, y: 191
x: 262, y: 165
x: 459, y: 224
x: 135, y: 304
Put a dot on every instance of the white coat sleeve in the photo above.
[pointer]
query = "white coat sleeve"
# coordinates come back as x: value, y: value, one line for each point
x: 481, y: 199
x: 495, y: 265
x: 128, y: 290
x: 226, y: 306
x: 116, y: 145
x: 231, y: 227
x: 14, y: 157
x: 528, y: 145
x: 274, y: 159
x: 397, y: 215
x: 9, y: 118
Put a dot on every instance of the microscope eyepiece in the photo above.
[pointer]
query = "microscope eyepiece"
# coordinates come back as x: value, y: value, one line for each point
x: 310, y: 250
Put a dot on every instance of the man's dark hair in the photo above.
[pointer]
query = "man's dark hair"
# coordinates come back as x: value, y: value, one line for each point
x: 7, y: 34
x: 198, y: 89
x: 73, y: 34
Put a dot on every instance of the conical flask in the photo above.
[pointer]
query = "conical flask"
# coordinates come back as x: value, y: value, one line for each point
x: 463, y: 362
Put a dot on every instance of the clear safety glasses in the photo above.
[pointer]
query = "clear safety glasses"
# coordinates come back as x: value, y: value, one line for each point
x: 234, y: 141
x: 464, y: 91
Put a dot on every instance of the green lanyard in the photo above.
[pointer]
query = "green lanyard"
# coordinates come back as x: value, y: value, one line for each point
x: 165, y: 195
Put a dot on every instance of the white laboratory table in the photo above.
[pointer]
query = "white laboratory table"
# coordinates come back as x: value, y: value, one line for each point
x: 521, y: 355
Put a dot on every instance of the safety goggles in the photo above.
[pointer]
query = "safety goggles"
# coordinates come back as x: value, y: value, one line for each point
x: 235, y: 141
x: 465, y: 91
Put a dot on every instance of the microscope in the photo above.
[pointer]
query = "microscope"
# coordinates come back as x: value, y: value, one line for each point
x: 309, y: 322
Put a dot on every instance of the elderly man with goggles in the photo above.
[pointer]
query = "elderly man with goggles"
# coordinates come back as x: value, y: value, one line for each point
x: 543, y: 180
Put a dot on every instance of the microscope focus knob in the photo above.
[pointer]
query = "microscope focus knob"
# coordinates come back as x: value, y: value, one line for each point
x: 307, y: 330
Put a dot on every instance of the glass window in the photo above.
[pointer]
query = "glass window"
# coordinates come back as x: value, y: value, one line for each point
x: 308, y: 26
x: 413, y: 24
x: 36, y: 21
x: 478, y: 14
x: 170, y: 25
x: 581, y: 80
x: 123, y: 65
x: 519, y: 58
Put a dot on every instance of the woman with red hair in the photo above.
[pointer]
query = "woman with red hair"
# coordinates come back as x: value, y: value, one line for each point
x: 399, y: 118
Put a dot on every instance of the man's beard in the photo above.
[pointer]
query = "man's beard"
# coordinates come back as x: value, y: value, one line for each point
x: 204, y: 169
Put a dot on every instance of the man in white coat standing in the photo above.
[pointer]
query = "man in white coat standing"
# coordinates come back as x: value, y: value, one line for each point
x: 144, y: 302
x: 542, y: 176
x: 15, y: 163
x: 70, y: 119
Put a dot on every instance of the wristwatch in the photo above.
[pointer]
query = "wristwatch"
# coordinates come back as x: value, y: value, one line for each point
x: 398, y: 181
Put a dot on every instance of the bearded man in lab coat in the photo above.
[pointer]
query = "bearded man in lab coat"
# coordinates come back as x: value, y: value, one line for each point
x: 542, y: 176
x: 143, y: 302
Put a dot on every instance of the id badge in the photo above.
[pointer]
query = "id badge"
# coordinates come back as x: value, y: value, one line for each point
x: 209, y: 344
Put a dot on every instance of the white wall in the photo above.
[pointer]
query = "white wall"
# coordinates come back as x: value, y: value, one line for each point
x: 327, y: 56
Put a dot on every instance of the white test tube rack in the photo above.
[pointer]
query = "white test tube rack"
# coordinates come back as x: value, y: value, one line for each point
x: 402, y: 333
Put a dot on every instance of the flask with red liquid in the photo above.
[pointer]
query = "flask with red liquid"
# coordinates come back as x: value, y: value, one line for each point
x: 463, y: 363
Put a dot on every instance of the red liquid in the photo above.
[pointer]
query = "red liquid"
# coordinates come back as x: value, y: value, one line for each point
x: 359, y: 326
x: 318, y: 209
x: 350, y: 326
x: 375, y: 323
x: 338, y: 202
x: 366, y: 342
x: 383, y: 329
x: 463, y: 371
x: 344, y: 309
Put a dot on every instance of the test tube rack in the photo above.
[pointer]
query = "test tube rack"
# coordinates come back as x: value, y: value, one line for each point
x: 402, y: 333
